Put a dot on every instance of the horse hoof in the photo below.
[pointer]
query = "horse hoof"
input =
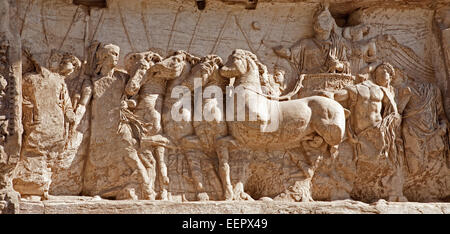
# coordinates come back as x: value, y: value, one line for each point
x: 166, y: 180
x: 151, y: 196
x: 45, y: 196
x: 164, y: 195
x: 202, y: 197
x: 246, y: 197
x: 228, y: 195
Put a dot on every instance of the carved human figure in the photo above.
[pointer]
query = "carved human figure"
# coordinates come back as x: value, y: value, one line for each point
x: 148, y: 90
x: 373, y: 129
x: 363, y: 51
x: 276, y: 85
x: 113, y: 168
x: 67, y: 168
x: 47, y: 110
x: 424, y: 132
x: 326, y: 51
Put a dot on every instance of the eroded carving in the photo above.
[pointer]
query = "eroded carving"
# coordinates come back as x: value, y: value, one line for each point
x: 113, y: 167
x: 47, y: 114
x: 360, y: 115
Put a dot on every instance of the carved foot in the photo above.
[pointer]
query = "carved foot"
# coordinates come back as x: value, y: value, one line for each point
x: 265, y: 199
x: 306, y: 198
x: 202, y: 197
x: 299, y: 192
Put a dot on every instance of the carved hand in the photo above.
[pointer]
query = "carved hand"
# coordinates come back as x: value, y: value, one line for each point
x: 79, y: 113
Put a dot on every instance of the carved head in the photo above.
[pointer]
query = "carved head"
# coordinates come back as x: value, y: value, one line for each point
x: 108, y: 55
x: 399, y: 78
x: 69, y: 64
x: 63, y: 63
x: 383, y: 74
x: 323, y: 24
x: 355, y: 33
x: 173, y: 66
x: 279, y: 76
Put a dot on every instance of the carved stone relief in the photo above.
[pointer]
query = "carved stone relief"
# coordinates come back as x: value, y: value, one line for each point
x: 339, y: 108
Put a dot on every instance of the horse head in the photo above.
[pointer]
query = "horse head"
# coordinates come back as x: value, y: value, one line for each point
x: 175, y: 65
x: 245, y: 67
x: 207, y: 71
x: 137, y: 65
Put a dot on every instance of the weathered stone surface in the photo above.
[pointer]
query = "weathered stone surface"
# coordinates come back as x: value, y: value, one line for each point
x: 279, y: 101
x: 69, y: 206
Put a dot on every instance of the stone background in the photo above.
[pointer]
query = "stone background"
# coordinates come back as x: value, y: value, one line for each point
x: 169, y: 25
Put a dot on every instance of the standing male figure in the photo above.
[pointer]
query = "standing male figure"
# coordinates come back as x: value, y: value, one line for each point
x: 113, y: 168
x: 374, y: 129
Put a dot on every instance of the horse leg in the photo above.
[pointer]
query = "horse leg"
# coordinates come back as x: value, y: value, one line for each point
x: 332, y: 134
x: 163, y: 178
x: 148, y: 161
x: 193, y: 154
x: 197, y: 176
x: 224, y: 167
x: 240, y: 194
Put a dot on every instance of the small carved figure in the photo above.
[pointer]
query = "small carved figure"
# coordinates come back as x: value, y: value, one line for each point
x: 325, y: 52
x: 276, y: 85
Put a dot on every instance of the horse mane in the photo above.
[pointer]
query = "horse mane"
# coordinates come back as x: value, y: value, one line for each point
x: 192, y: 59
x: 263, y: 73
x: 209, y: 62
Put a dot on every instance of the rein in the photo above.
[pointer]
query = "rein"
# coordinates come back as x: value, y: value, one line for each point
x: 288, y: 96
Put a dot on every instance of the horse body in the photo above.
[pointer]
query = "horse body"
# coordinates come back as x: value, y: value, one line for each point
x: 297, y: 119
